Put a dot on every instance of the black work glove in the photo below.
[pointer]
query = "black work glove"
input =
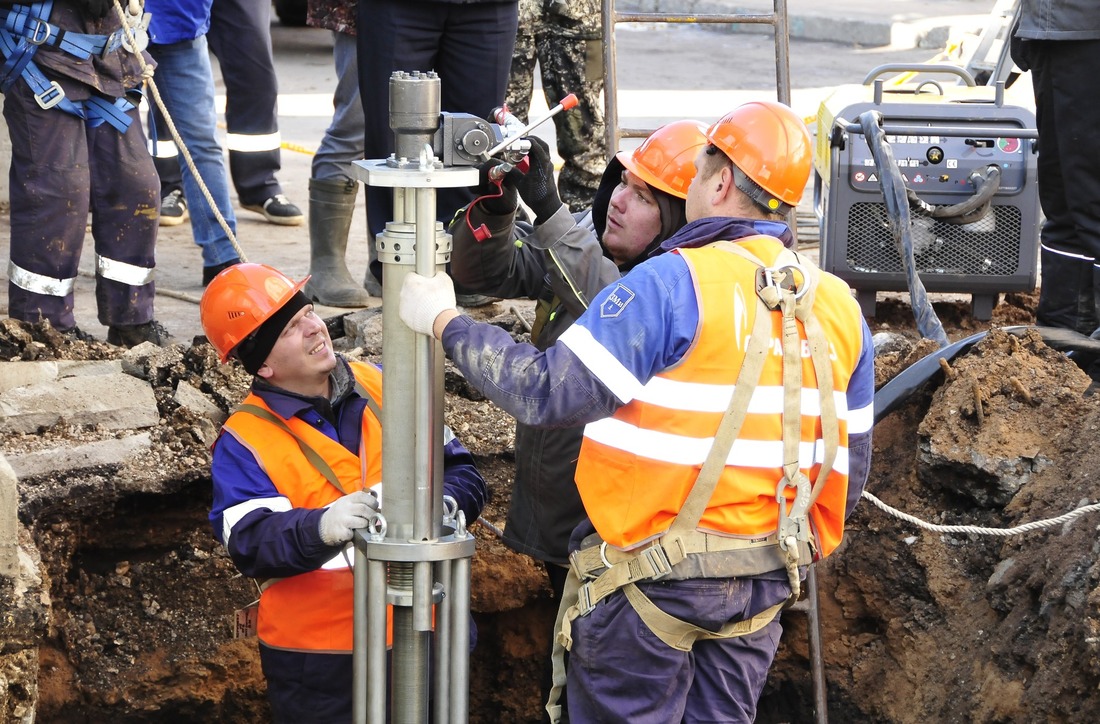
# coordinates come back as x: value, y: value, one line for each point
x: 98, y: 9
x: 537, y: 188
x: 497, y: 197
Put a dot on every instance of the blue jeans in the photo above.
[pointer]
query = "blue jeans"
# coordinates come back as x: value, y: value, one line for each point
x: 343, y: 142
x: 186, y: 84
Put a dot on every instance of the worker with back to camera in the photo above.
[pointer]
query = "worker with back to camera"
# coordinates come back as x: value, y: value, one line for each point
x: 562, y: 261
x: 727, y: 386
x: 286, y: 520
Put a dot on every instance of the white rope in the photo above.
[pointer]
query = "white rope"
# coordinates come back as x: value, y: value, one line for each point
x: 979, y: 530
x: 147, y: 74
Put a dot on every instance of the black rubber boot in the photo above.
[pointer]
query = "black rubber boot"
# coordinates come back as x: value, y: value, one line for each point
x: 1068, y: 297
x: 133, y: 335
x: 331, y: 206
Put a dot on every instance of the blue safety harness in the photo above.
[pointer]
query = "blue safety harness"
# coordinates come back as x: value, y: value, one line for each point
x: 27, y: 28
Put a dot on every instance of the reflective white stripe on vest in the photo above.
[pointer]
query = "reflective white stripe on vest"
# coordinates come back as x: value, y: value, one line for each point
x: 602, y: 363
x: 252, y: 143
x: 38, y: 283
x: 123, y: 273
x: 680, y: 450
x: 163, y: 149
x: 233, y: 514
x: 861, y: 420
x: 700, y: 397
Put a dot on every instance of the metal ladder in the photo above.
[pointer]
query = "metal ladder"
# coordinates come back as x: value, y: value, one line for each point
x: 990, y: 60
x: 611, y: 17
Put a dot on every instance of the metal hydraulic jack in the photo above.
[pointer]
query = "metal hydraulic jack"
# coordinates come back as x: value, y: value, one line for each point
x: 415, y: 560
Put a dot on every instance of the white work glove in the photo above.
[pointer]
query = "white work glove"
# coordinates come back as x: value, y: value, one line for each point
x: 346, y: 515
x: 425, y: 298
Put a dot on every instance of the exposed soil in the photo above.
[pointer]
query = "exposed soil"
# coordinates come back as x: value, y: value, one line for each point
x: 918, y: 626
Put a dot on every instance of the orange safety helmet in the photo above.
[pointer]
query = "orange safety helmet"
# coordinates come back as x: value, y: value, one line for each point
x: 666, y: 159
x: 241, y: 298
x: 770, y: 145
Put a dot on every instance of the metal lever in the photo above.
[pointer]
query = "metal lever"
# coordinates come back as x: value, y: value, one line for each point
x: 570, y: 101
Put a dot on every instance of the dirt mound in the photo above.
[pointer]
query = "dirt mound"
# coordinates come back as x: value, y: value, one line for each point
x: 918, y: 625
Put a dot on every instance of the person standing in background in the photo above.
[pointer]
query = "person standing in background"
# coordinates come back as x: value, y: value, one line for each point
x: 566, y: 39
x: 332, y: 188
x: 467, y: 43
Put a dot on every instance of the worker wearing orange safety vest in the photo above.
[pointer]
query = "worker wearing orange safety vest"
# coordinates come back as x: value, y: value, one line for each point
x: 727, y: 386
x: 296, y: 470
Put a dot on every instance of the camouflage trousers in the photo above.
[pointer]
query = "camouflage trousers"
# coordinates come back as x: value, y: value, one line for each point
x: 569, y: 62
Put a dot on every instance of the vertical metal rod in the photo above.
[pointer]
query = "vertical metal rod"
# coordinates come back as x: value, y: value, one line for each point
x: 427, y: 427
x: 817, y: 664
x: 400, y: 214
x: 359, y: 639
x: 460, y: 640
x: 410, y: 669
x: 376, y: 681
x: 782, y: 52
x: 441, y: 663
x: 610, y: 82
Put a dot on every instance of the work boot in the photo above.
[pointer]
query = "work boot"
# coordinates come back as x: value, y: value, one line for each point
x: 209, y: 272
x: 331, y: 206
x: 131, y: 335
x: 277, y: 210
x: 1066, y: 295
x: 173, y: 209
x: 372, y: 280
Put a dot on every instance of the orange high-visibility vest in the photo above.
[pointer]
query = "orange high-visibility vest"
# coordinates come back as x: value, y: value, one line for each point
x: 637, y: 467
x: 312, y: 611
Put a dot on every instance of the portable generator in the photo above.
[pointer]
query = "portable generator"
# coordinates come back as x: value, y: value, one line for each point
x: 940, y: 137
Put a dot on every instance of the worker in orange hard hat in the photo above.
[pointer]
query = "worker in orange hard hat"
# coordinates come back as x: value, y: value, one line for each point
x: 284, y: 519
x: 639, y: 204
x: 726, y: 387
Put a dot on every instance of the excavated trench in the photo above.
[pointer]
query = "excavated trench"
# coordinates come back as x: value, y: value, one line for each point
x: 917, y: 625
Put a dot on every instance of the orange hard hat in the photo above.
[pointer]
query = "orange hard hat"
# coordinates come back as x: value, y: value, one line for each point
x: 666, y: 159
x: 769, y: 143
x: 241, y: 298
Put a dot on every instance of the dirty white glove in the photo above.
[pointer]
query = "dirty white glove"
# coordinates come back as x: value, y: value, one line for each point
x: 346, y: 515
x: 425, y: 298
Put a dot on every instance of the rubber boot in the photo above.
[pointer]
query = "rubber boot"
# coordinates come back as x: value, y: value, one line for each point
x: 372, y: 280
x: 1067, y: 296
x: 331, y: 206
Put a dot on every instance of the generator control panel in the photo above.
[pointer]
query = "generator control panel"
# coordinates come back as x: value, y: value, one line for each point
x: 941, y: 164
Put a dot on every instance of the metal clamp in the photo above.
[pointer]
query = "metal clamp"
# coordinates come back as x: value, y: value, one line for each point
x: 775, y: 276
x: 793, y: 526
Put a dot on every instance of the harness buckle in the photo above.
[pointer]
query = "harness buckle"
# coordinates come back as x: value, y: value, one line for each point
x: 112, y: 43
x: 50, y: 97
x: 41, y: 33
x: 584, y: 600
x: 658, y: 561
x: 793, y: 526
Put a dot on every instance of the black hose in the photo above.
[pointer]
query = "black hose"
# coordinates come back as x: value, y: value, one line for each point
x: 897, y: 212
x: 987, y: 182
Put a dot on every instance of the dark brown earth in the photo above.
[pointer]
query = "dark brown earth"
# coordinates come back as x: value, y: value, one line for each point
x: 918, y: 626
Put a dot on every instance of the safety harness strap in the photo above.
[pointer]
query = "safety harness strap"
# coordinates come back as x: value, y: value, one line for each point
x: 312, y: 455
x: 26, y: 28
x: 682, y: 635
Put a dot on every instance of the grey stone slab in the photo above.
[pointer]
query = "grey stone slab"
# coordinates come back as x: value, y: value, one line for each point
x: 78, y: 457
x: 114, y: 401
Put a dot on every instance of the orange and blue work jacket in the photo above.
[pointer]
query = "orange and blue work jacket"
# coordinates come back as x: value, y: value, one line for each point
x: 268, y: 501
x: 656, y: 354
x: 638, y: 466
